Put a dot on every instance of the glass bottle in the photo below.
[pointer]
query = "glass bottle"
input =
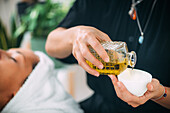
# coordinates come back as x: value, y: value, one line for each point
x: 119, y: 56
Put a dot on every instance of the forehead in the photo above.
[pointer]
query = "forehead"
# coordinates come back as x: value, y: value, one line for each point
x: 20, y: 50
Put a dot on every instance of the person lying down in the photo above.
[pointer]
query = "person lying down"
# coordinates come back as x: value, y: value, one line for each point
x: 28, y: 84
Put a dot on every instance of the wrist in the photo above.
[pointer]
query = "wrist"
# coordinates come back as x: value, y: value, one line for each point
x: 73, y: 32
x: 76, y: 32
x: 161, y: 95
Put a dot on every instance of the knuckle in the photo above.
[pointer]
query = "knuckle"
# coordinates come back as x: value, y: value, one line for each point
x: 95, y: 44
x: 77, y: 41
x: 84, y: 53
x: 106, y: 35
x: 83, y: 37
x: 155, y: 80
x: 87, y: 34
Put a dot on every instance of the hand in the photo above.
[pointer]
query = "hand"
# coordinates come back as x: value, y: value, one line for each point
x: 154, y: 91
x: 89, y: 36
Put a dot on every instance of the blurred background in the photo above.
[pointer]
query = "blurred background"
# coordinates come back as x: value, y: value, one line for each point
x: 38, y: 17
x: 27, y: 23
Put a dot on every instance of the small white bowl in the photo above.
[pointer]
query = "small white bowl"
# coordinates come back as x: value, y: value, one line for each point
x: 135, y: 80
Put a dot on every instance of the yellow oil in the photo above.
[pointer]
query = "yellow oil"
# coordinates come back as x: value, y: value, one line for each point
x: 114, y: 68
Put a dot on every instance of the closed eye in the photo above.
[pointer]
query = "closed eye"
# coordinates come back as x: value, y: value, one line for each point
x: 14, y: 59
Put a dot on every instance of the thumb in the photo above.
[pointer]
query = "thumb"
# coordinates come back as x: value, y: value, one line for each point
x: 153, y: 85
x: 150, y: 86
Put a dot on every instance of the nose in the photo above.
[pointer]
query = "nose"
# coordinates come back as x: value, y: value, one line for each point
x: 3, y: 54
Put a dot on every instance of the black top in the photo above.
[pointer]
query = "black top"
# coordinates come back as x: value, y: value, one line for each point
x: 111, y: 17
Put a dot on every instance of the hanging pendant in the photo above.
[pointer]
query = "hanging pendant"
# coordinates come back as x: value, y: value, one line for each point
x: 141, y: 38
x: 132, y: 13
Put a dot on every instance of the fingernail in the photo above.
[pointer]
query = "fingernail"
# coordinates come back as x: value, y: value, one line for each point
x: 106, y: 59
x: 100, y: 66
x: 97, y: 74
x: 119, y: 84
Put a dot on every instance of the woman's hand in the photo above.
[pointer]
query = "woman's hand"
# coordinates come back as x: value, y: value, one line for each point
x: 86, y: 36
x: 61, y: 42
x: 155, y: 90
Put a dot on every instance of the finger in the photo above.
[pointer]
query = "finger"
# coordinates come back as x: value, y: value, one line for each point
x: 84, y: 65
x: 126, y: 96
x: 120, y: 89
x: 142, y: 99
x: 153, y: 85
x: 77, y: 54
x: 132, y: 99
x: 125, y: 93
x: 103, y: 36
x: 150, y: 87
x: 88, y: 56
x: 136, y: 101
x: 113, y: 79
x: 116, y: 87
x: 117, y: 90
x: 133, y: 104
x: 99, y: 49
x: 147, y: 96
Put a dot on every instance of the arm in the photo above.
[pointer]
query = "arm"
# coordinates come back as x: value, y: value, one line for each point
x: 59, y: 42
x: 155, y: 90
x: 62, y: 42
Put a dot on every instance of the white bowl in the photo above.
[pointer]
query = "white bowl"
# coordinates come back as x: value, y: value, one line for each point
x: 135, y: 80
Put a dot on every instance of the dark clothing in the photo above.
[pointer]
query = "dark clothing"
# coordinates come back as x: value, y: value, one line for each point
x: 111, y: 17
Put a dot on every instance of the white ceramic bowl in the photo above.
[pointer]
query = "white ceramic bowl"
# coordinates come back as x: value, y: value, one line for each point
x: 135, y: 80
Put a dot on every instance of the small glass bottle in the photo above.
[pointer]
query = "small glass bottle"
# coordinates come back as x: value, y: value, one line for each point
x: 119, y: 56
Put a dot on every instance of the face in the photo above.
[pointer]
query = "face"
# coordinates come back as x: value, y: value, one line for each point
x: 15, y: 66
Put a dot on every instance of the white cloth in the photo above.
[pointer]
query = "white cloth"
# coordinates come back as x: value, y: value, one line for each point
x: 42, y: 92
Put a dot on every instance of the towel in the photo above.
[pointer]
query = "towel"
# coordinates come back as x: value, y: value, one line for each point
x: 42, y: 92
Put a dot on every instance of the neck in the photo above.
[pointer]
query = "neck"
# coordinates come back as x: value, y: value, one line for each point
x: 4, y: 100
